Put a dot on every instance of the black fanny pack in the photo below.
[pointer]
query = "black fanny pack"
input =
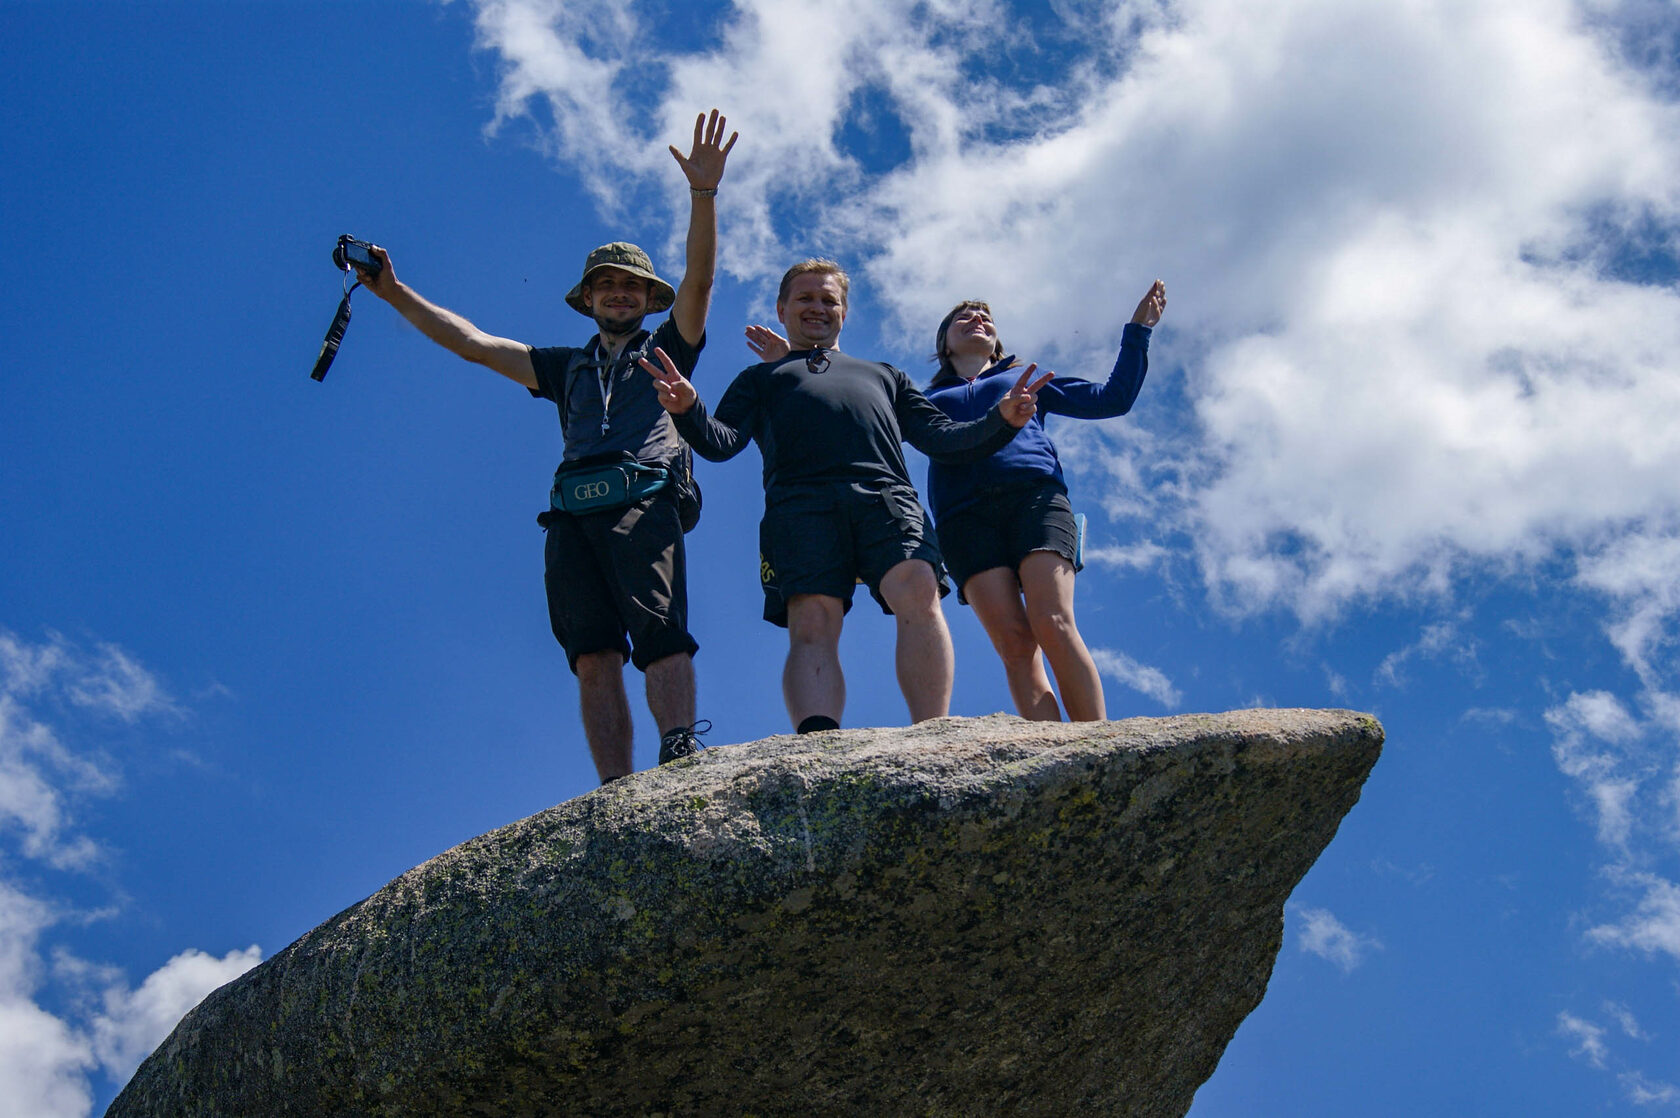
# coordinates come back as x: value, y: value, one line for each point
x: 603, y: 488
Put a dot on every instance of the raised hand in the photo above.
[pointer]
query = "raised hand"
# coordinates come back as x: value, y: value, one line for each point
x: 676, y: 392
x: 385, y: 283
x: 704, y: 164
x: 1154, y: 302
x: 769, y: 345
x: 1022, y: 401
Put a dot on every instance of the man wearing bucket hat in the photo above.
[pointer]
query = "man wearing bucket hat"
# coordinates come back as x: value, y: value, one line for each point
x: 615, y: 567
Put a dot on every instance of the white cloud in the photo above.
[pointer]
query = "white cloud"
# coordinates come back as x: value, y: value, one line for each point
x: 1654, y: 924
x: 27, y: 669
x: 113, y: 683
x: 1399, y: 366
x: 1640, y: 574
x: 1438, y: 639
x: 1589, y: 1043
x: 1140, y: 556
x: 133, y: 1023
x: 44, y: 1062
x: 1628, y: 770
x: 1648, y: 1092
x: 1624, y: 1017
x: 1594, y: 739
x: 575, y: 57
x: 1336, y: 682
x: 1328, y: 938
x: 1491, y: 716
x: 1587, y: 1038
x: 39, y: 776
x: 47, y: 692
x: 785, y: 75
x: 108, y: 681
x: 1139, y: 677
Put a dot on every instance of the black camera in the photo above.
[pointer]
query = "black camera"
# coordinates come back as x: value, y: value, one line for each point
x: 351, y: 253
x: 347, y: 254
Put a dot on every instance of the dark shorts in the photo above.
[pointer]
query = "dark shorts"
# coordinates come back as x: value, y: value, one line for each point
x: 618, y: 581
x: 827, y: 540
x: 1004, y: 527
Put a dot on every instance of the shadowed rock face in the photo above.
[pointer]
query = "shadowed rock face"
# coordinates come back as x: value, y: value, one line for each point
x: 969, y: 916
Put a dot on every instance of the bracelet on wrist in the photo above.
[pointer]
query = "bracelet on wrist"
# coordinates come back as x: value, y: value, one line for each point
x: 703, y: 192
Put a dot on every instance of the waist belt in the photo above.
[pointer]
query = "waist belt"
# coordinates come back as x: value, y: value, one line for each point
x: 581, y: 489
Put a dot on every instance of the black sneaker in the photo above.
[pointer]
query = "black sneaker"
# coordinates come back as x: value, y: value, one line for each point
x: 682, y: 741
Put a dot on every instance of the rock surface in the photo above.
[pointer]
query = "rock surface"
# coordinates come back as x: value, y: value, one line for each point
x: 969, y: 916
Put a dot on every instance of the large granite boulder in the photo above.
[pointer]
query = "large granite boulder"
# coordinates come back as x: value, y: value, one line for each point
x: 969, y: 916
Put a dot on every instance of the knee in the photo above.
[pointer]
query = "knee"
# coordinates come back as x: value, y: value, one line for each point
x: 1015, y: 644
x: 1052, y: 626
x: 815, y: 619
x: 597, y: 669
x: 676, y: 664
x: 911, y: 589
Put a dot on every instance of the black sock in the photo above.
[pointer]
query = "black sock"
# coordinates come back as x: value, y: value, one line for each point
x: 817, y: 722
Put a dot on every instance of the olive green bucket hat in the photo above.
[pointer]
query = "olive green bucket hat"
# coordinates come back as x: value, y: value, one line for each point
x: 622, y: 254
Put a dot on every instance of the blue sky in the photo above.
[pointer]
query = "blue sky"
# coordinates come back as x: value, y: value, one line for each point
x: 1407, y: 446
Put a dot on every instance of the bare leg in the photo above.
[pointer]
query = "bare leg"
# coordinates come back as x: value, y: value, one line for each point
x: 670, y: 691
x: 995, y: 595
x: 926, y: 665
x: 1047, y: 583
x: 811, y: 680
x: 606, y: 713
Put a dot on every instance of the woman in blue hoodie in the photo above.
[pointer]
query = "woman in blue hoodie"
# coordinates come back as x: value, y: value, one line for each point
x: 1005, y: 526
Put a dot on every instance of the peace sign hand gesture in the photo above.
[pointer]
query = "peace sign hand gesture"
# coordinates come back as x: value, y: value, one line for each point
x: 676, y: 392
x: 1022, y: 401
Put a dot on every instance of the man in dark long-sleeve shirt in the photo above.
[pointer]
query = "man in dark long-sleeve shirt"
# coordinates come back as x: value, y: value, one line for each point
x: 839, y: 506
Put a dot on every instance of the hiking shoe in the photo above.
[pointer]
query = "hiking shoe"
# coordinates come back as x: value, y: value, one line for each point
x: 682, y: 741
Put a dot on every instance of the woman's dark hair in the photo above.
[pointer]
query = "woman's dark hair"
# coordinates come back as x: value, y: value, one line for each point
x: 946, y: 374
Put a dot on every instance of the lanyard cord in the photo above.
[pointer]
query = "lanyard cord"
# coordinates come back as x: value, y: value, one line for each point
x: 605, y: 377
x: 335, y: 334
x: 602, y: 365
x: 604, y: 381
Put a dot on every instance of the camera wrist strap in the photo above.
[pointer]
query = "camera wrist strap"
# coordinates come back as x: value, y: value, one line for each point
x: 335, y: 334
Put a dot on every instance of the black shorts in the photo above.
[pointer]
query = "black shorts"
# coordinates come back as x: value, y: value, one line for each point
x: 827, y: 540
x: 1006, y: 526
x: 619, y: 580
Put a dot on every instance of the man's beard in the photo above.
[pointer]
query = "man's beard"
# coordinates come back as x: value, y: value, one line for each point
x: 619, y: 329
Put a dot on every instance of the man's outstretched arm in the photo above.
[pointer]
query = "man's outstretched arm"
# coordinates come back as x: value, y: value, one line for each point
x: 510, y: 358
x: 703, y: 166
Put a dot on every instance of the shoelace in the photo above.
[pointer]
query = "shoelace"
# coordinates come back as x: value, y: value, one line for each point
x: 688, y: 734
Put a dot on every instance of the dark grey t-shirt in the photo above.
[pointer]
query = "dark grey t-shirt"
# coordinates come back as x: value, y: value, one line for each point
x: 623, y: 395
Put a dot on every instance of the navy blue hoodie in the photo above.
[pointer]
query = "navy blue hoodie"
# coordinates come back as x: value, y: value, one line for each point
x: 1030, y: 456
